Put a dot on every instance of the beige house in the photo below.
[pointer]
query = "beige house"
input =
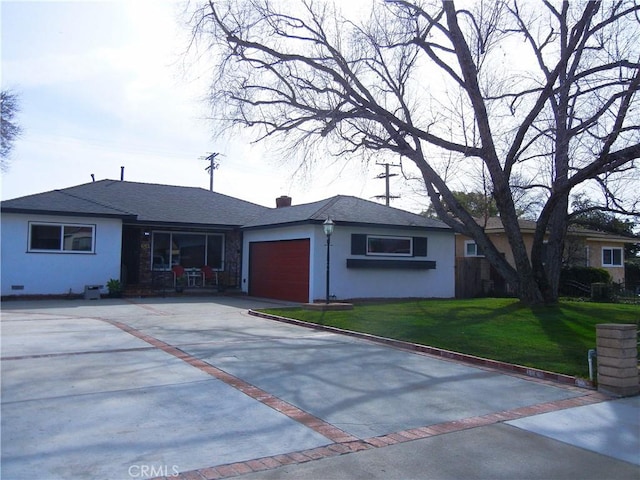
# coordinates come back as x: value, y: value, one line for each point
x: 589, y: 248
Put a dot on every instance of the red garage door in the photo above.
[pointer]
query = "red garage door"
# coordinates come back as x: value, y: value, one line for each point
x: 279, y: 270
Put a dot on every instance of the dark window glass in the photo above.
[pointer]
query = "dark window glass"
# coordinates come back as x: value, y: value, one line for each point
x: 388, y: 246
x: 612, y: 257
x: 214, y: 251
x: 190, y: 250
x: 46, y: 237
x: 78, y: 238
x: 617, y: 256
x: 161, y: 251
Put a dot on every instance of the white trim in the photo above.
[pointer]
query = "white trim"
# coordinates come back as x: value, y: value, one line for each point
x: 62, y: 226
x: 471, y: 242
x: 612, y: 249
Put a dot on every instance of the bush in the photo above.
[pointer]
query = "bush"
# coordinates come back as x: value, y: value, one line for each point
x: 572, y: 278
x: 632, y: 273
x: 585, y: 275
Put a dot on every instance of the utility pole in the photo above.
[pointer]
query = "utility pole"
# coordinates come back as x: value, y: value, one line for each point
x: 213, y: 165
x: 386, y: 175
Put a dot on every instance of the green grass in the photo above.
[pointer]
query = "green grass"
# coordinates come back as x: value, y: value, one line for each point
x: 555, y: 338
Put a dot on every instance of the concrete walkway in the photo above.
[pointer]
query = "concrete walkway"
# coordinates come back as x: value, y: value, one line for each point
x: 197, y: 388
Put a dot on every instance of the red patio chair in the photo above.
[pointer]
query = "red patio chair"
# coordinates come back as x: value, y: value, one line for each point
x: 178, y: 272
x: 208, y: 275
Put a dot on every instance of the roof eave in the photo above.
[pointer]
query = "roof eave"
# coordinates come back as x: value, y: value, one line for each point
x: 62, y: 213
x: 340, y: 223
x: 200, y: 226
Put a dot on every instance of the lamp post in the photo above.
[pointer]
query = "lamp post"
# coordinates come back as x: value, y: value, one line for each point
x: 328, y: 230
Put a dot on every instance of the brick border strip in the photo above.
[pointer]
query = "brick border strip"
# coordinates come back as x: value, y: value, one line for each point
x: 316, y: 424
x: 343, y: 442
x: 438, y: 352
x: 229, y: 470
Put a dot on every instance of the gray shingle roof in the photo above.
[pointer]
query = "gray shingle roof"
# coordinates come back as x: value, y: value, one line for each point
x: 173, y: 205
x: 345, y: 210
x: 147, y: 203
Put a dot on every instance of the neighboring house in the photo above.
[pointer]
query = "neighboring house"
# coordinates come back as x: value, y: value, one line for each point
x: 58, y: 242
x: 583, y: 247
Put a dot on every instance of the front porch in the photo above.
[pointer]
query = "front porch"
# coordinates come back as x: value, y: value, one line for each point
x: 142, y: 291
x: 149, y: 255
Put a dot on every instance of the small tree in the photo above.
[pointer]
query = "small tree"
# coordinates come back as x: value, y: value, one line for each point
x: 9, y: 129
x: 588, y: 215
x: 477, y: 204
x: 538, y: 97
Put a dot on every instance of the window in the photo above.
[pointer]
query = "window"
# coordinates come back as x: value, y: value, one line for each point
x: 471, y: 249
x: 611, y: 257
x: 389, y: 246
x: 362, y: 244
x: 52, y: 237
x: 190, y: 250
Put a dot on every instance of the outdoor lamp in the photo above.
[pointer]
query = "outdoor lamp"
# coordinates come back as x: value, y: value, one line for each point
x: 328, y: 226
x: 328, y: 230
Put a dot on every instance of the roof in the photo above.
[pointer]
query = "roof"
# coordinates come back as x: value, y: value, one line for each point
x: 494, y: 225
x: 346, y: 210
x: 140, y: 202
x: 155, y: 204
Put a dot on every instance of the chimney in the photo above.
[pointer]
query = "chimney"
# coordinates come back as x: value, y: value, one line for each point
x: 121, y: 174
x: 283, y: 201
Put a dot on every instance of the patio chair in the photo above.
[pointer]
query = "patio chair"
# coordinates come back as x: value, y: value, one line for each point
x: 208, y: 275
x: 178, y: 272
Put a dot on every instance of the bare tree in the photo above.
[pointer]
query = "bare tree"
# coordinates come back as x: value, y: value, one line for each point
x: 9, y: 129
x: 538, y: 96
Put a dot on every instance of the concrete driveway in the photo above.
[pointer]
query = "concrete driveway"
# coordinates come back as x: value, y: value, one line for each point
x: 198, y: 388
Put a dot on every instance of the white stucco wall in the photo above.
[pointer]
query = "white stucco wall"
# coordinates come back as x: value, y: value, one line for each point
x: 350, y: 283
x: 365, y: 283
x: 57, y: 273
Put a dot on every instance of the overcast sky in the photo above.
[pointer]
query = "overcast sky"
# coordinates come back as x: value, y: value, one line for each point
x: 101, y: 86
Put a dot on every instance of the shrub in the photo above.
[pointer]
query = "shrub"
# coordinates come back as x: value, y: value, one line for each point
x: 571, y: 277
x: 115, y: 287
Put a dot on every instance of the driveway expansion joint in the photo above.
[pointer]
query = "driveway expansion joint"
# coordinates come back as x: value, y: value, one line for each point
x: 343, y: 443
x: 316, y: 424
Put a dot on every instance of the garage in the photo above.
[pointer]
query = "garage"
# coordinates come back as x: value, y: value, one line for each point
x: 280, y: 269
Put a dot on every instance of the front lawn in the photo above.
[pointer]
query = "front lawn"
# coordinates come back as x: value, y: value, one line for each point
x: 554, y: 338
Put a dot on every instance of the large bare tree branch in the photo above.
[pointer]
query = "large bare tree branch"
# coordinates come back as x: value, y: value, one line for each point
x: 429, y: 81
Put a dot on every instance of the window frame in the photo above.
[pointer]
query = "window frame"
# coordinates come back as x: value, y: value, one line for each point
x: 612, y: 250
x: 170, y: 264
x: 466, y: 251
x: 389, y: 254
x: 62, y: 226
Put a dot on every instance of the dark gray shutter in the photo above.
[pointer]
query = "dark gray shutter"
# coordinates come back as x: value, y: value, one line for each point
x: 419, y: 246
x: 358, y: 244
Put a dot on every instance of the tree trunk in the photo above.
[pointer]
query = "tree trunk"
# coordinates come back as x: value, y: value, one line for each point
x: 529, y: 291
